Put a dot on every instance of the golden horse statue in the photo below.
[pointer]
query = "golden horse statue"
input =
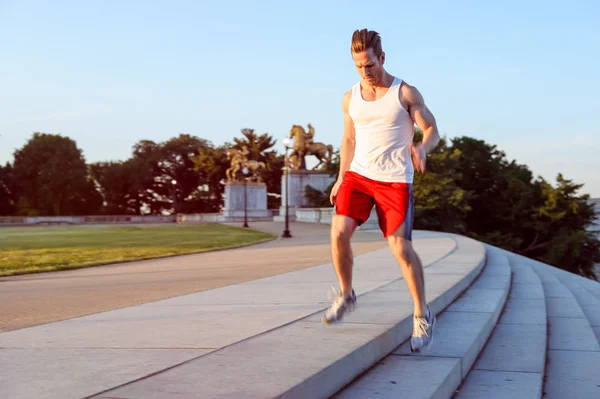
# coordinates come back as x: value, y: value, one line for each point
x: 304, y: 146
x: 239, y: 161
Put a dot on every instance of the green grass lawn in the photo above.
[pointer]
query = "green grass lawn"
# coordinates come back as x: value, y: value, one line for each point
x: 40, y: 249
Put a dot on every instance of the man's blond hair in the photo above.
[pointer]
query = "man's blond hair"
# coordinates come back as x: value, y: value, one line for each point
x: 365, y: 39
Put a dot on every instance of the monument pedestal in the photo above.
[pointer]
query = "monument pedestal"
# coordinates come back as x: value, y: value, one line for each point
x: 256, y: 201
x: 298, y: 180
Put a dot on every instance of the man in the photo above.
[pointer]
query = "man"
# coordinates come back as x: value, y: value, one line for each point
x: 377, y: 164
x: 308, y: 138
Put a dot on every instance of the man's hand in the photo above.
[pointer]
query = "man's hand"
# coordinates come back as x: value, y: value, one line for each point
x: 419, y: 156
x: 334, y: 191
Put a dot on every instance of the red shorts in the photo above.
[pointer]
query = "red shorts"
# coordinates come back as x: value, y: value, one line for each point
x: 393, y: 202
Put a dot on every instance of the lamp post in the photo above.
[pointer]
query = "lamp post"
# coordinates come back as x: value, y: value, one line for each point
x: 245, y: 172
x: 286, y: 232
x: 174, y: 183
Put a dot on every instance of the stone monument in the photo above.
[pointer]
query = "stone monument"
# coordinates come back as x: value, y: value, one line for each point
x: 299, y: 176
x: 244, y: 192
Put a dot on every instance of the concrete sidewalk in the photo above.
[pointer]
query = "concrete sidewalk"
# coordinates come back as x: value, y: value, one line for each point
x: 47, y: 297
x: 88, y: 355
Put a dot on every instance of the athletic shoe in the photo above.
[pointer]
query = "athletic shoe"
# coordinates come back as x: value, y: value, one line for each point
x: 422, y: 335
x: 341, y: 305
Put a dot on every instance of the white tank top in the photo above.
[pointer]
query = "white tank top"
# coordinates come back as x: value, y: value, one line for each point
x: 384, y: 135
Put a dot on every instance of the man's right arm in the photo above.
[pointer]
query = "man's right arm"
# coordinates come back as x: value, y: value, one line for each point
x: 349, y: 139
x: 347, y: 149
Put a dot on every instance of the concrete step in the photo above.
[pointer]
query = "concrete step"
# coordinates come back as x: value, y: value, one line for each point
x: 573, y: 350
x: 593, y: 287
x: 512, y: 364
x: 590, y: 305
x: 306, y: 359
x: 461, y: 332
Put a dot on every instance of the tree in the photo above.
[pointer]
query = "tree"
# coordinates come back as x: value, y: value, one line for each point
x: 501, y: 194
x: 112, y: 184
x: 561, y: 236
x: 126, y: 186
x: 144, y: 168
x: 143, y: 184
x: 174, y: 162
x: 211, y: 163
x: 530, y: 217
x: 121, y: 185
x: 334, y: 166
x: 7, y: 191
x: 51, y: 178
x: 440, y: 203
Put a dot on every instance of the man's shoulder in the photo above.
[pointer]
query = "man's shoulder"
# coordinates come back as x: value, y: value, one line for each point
x: 347, y: 96
x: 353, y: 87
x: 407, y: 88
x: 346, y: 100
x: 409, y: 93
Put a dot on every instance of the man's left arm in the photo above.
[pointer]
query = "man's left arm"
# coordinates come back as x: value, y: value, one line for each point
x: 425, y: 120
x: 423, y: 117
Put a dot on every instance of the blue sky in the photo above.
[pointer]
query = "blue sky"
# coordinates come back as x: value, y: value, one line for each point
x: 521, y: 75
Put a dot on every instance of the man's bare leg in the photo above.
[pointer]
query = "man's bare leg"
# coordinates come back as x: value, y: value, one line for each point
x: 342, y: 229
x: 412, y: 271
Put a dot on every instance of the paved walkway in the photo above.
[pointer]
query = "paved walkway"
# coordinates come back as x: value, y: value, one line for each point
x: 87, y: 355
x: 43, y: 298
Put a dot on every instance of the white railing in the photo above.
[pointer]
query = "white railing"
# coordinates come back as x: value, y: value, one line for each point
x: 91, y: 219
x: 324, y: 215
x: 314, y: 215
x: 199, y: 218
x: 310, y: 215
x: 220, y: 218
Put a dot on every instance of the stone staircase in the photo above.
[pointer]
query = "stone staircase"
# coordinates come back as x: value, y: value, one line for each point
x: 508, y: 327
x: 523, y: 329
